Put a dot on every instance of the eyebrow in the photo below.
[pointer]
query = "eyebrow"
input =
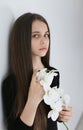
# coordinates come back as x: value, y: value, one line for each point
x: 39, y: 32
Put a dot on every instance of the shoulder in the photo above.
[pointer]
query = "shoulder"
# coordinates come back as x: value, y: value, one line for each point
x: 8, y: 94
x: 9, y: 85
x: 9, y: 78
x: 52, y: 68
x: 56, y: 78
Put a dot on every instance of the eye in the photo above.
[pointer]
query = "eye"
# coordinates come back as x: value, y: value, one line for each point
x: 35, y: 35
x: 46, y: 35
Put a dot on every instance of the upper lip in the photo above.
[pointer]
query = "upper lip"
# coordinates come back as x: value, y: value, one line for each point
x: 42, y: 48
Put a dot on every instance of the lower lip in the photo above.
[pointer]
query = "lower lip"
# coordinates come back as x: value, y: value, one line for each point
x: 43, y: 49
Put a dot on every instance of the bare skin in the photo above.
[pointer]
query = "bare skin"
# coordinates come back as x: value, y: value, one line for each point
x: 40, y: 39
x: 65, y: 114
x: 35, y: 96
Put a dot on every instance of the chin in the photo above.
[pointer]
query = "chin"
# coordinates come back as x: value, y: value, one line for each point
x: 42, y: 55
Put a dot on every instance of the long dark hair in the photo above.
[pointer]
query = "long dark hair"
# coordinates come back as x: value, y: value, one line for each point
x: 21, y: 64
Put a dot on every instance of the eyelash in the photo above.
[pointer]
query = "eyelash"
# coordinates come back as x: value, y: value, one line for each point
x: 35, y: 36
x: 38, y: 35
x: 46, y: 35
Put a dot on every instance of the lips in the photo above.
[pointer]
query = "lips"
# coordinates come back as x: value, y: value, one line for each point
x: 42, y: 49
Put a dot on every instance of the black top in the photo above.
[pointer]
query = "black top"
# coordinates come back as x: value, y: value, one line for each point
x: 8, y: 96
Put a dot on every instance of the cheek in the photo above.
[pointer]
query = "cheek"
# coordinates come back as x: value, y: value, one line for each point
x: 48, y: 44
x: 34, y: 46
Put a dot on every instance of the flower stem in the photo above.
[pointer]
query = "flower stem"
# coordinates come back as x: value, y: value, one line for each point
x: 65, y: 125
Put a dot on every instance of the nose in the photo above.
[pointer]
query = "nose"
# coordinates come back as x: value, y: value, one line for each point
x: 43, y: 40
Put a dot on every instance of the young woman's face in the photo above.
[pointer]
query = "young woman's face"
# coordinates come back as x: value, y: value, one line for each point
x: 40, y: 38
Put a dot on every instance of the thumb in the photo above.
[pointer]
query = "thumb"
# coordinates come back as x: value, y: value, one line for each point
x: 34, y: 74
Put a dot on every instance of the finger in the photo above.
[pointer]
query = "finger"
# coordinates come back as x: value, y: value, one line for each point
x: 34, y: 74
x: 66, y: 108
x: 66, y: 113
x: 64, y: 117
x: 35, y: 71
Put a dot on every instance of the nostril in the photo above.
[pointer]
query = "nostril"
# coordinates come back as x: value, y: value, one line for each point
x: 43, y: 40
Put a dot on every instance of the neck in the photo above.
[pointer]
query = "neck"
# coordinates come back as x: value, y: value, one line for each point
x: 37, y: 63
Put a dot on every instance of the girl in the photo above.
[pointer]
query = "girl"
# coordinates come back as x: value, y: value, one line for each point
x: 22, y: 94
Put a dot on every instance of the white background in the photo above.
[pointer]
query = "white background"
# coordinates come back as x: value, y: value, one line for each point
x: 65, y: 18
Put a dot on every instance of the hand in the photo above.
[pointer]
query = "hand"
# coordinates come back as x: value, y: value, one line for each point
x: 36, y: 91
x: 65, y: 114
x: 35, y: 96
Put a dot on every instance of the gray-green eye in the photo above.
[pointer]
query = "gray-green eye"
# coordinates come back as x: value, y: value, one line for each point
x: 35, y: 35
x: 46, y: 35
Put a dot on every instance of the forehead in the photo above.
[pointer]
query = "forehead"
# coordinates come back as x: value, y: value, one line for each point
x: 38, y: 25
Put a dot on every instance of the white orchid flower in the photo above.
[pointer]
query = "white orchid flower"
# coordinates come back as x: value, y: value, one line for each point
x: 53, y: 114
x: 57, y: 105
x: 45, y: 85
x: 54, y: 97
x: 40, y: 74
x: 66, y: 99
x: 60, y: 91
x: 51, y: 96
x: 45, y: 77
